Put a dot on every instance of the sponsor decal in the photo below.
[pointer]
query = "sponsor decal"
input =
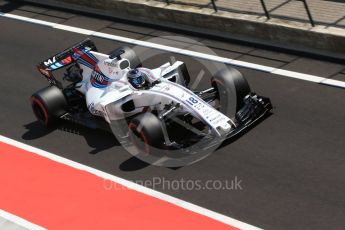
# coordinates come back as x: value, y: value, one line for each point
x: 67, y: 60
x: 50, y: 61
x: 111, y: 67
x: 98, y: 79
x: 113, y: 71
x: 109, y: 63
x: 78, y: 53
x: 192, y: 101
x: 84, y: 57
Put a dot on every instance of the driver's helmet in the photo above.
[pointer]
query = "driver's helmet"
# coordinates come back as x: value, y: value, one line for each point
x: 136, y: 78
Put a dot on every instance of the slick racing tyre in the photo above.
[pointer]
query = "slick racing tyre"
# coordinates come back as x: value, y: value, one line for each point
x: 48, y: 105
x: 127, y: 53
x: 231, y: 89
x: 146, y: 132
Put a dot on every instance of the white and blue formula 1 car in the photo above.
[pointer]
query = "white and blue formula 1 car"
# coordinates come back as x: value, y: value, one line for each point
x: 156, y: 105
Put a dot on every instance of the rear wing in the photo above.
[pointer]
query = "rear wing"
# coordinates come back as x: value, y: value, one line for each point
x: 67, y: 57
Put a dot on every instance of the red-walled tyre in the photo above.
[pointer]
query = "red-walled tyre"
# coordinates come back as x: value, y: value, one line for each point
x: 48, y: 105
x: 146, y: 132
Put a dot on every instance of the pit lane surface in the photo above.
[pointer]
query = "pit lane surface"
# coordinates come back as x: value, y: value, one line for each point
x: 291, y: 165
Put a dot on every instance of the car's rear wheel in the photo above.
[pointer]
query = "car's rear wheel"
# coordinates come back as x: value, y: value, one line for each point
x: 231, y: 88
x: 48, y: 105
x: 146, y: 132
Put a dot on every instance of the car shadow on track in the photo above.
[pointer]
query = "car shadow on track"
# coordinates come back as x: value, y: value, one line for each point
x: 97, y: 139
x: 133, y: 164
x: 35, y: 130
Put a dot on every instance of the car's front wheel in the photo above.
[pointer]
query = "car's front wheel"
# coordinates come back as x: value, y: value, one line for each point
x: 146, y: 132
x: 231, y: 89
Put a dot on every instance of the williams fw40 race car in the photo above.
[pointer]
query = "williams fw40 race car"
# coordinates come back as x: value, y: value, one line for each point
x: 146, y: 108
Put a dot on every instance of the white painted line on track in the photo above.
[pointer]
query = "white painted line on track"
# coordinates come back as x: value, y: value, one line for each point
x: 19, y: 221
x: 129, y: 184
x: 263, y: 68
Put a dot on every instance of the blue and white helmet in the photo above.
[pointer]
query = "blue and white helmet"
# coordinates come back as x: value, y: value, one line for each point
x: 136, y: 78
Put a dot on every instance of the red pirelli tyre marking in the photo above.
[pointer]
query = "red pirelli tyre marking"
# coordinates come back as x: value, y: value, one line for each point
x: 133, y: 127
x: 36, y: 101
x: 57, y: 196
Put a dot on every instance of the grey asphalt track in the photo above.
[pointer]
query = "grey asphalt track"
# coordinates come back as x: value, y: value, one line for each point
x: 292, y: 165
